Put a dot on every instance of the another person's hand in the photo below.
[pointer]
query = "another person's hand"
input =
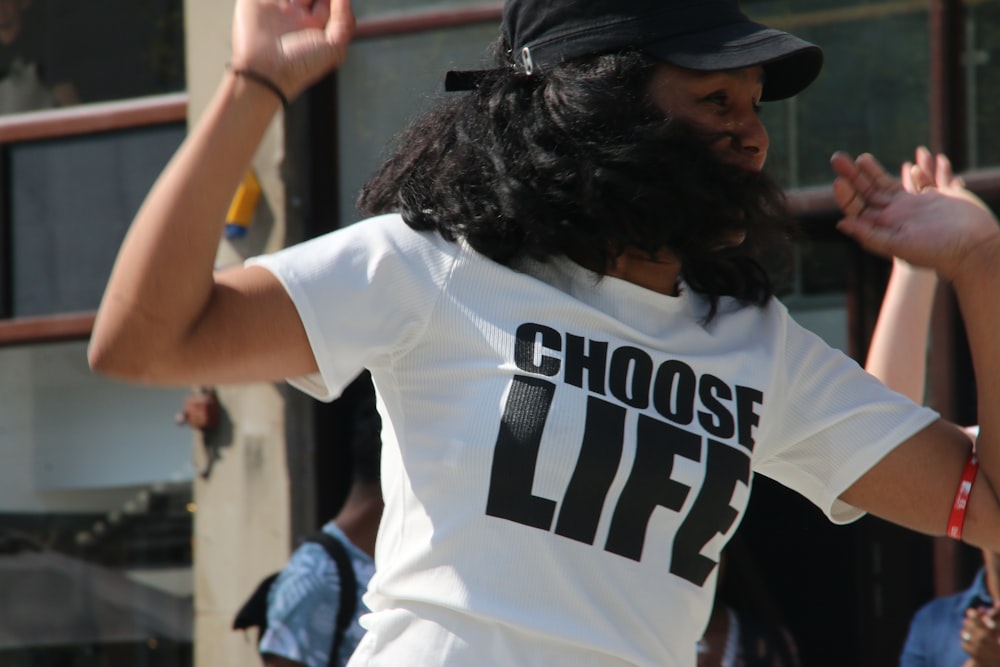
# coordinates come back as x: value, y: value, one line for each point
x: 938, y: 224
x: 927, y: 171
x: 294, y: 43
x: 980, y: 637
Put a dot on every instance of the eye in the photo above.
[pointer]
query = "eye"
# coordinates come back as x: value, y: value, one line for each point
x: 718, y: 98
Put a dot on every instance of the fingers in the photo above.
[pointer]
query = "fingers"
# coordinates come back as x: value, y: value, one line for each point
x: 935, y: 170
x: 863, y: 185
x: 879, y: 185
x: 908, y: 175
x: 939, y: 167
x: 295, y: 41
x: 935, y: 229
x: 846, y: 190
x: 919, y: 174
x: 979, y: 633
x: 988, y: 617
x: 340, y: 23
x: 931, y: 170
x: 848, y: 199
x: 943, y: 175
x: 971, y: 629
x: 925, y: 161
x: 862, y: 190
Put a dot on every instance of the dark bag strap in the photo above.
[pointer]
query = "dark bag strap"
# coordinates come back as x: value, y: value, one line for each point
x: 348, y: 588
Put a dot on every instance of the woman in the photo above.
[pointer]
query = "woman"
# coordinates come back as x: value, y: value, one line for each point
x: 577, y: 354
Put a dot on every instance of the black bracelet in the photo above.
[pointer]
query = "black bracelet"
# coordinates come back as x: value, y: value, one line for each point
x: 262, y: 80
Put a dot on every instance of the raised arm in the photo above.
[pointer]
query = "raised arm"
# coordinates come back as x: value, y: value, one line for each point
x: 945, y: 228
x: 898, y: 352
x: 166, y: 317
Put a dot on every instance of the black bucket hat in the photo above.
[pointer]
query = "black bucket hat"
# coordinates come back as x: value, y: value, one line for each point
x: 707, y: 35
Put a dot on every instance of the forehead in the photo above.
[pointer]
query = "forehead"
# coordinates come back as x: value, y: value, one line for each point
x: 672, y: 76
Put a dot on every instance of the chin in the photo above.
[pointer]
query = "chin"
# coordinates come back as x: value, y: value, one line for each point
x: 732, y: 240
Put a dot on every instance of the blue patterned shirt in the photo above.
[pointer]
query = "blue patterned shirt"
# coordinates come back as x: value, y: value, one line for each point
x: 934, y: 640
x: 304, y: 601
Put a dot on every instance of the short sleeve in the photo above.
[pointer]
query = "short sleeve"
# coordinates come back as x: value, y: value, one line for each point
x: 364, y: 294
x: 302, y: 608
x: 835, y: 422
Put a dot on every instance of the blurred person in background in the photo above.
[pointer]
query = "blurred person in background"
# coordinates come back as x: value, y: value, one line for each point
x: 31, y: 77
x: 746, y: 628
x: 306, y: 599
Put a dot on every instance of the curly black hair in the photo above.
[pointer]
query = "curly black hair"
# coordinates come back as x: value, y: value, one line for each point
x: 578, y: 161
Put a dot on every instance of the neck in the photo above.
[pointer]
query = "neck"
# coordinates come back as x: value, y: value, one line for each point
x: 360, y: 517
x: 659, y: 274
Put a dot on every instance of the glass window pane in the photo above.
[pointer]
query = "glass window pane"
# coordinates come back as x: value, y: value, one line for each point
x: 96, y: 516
x: 824, y: 263
x: 55, y: 53
x: 983, y: 81
x: 387, y: 82
x: 871, y: 96
x: 71, y: 202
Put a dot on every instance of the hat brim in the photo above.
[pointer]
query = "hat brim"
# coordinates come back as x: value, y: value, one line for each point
x: 790, y: 64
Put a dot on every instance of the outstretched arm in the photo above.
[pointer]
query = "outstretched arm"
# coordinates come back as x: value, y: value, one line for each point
x: 945, y: 228
x: 166, y: 317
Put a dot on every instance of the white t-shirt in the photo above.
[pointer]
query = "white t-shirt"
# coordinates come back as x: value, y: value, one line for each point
x: 564, y: 458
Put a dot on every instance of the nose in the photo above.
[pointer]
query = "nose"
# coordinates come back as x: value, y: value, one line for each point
x: 750, y: 139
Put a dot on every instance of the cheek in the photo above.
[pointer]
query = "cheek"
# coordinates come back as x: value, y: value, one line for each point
x: 706, y: 121
x: 722, y: 145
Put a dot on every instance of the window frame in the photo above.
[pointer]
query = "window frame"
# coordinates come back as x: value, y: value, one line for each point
x: 85, y: 119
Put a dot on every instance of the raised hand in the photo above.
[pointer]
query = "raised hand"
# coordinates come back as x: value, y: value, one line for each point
x: 934, y: 221
x: 291, y: 42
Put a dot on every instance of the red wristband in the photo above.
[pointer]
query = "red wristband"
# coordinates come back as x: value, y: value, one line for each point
x: 957, y: 519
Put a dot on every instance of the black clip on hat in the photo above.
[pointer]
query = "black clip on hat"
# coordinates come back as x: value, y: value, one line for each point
x: 706, y: 35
